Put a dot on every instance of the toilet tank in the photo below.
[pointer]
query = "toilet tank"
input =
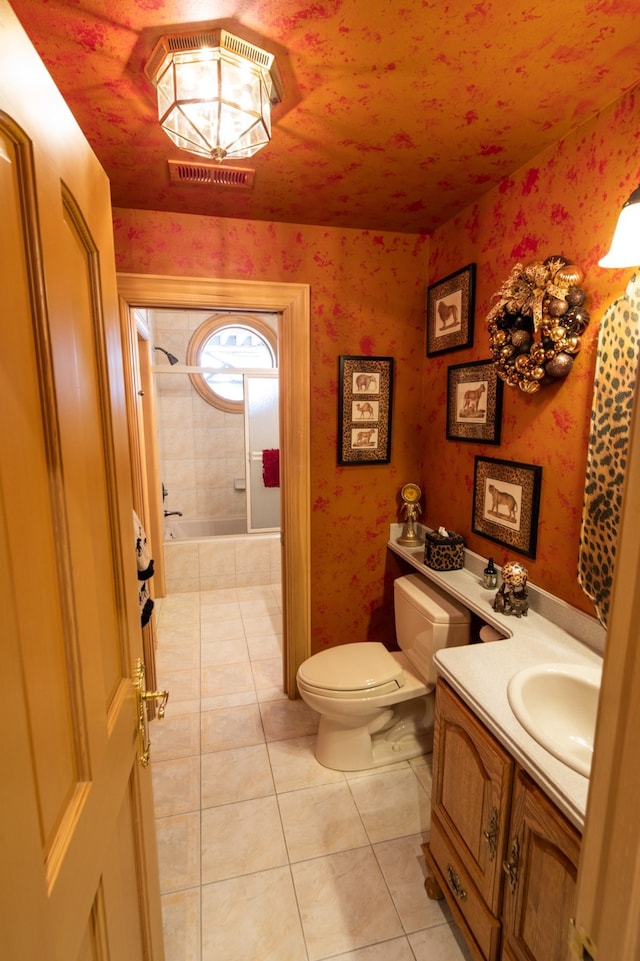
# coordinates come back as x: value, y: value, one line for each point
x: 426, y: 621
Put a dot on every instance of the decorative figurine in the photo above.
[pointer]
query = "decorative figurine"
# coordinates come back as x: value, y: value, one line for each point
x: 512, y: 598
x: 411, y: 509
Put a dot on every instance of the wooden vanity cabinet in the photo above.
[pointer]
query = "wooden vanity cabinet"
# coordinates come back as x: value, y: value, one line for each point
x: 542, y: 861
x: 499, y: 851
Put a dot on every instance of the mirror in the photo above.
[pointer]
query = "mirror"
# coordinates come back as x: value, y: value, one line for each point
x: 613, y: 391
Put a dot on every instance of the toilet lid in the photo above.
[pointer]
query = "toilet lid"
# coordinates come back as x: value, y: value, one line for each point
x: 352, y: 667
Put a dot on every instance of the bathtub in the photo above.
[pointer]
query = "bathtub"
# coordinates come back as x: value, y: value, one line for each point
x: 182, y: 528
x: 205, y: 555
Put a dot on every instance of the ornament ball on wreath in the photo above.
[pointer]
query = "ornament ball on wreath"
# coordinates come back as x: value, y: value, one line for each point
x: 536, y: 324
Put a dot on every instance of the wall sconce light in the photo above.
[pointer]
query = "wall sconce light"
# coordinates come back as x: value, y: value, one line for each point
x: 215, y: 93
x: 625, y: 246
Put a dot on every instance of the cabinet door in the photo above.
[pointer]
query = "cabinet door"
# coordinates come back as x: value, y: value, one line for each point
x: 541, y: 870
x: 472, y: 777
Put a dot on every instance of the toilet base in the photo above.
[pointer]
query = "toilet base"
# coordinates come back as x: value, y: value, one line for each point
x: 407, y: 733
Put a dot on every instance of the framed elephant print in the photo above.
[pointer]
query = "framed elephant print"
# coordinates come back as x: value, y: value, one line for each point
x: 365, y: 395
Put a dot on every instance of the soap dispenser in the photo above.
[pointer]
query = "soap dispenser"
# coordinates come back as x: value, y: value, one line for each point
x: 490, y: 578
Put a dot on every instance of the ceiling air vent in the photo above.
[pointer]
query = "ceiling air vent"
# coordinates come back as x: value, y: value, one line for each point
x: 213, y: 175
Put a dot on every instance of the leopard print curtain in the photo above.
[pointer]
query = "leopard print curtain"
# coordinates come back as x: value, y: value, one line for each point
x: 613, y: 395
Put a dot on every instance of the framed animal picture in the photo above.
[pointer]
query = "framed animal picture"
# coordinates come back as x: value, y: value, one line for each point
x: 506, y: 503
x: 474, y: 402
x: 365, y: 394
x: 450, y: 311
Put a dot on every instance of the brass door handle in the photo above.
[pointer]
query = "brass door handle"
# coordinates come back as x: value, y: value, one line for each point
x: 491, y: 834
x: 142, y: 697
x: 456, y: 884
x: 511, y: 866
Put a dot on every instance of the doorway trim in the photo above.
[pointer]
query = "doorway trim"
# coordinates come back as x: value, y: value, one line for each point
x: 292, y: 303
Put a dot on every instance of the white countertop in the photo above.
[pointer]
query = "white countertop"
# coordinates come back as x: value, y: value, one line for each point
x: 480, y: 672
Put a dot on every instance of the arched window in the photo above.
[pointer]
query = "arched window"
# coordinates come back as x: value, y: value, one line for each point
x: 225, y: 344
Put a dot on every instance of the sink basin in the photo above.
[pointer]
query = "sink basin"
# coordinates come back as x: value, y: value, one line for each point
x: 557, y: 705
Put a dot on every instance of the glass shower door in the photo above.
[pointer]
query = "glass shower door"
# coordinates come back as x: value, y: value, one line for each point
x: 261, y: 426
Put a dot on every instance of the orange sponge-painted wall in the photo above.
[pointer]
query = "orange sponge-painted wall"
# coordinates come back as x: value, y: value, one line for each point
x: 367, y: 298
x: 565, y: 201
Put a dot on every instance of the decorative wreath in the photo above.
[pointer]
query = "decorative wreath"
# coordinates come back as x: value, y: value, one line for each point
x: 535, y: 326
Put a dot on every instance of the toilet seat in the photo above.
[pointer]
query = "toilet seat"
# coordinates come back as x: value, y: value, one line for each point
x: 351, y: 670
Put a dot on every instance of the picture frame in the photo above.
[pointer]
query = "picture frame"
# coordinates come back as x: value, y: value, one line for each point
x: 365, y: 402
x: 506, y: 503
x: 474, y: 402
x: 450, y: 311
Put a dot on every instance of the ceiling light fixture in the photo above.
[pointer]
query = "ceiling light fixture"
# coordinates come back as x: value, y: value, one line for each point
x: 215, y: 93
x: 625, y: 246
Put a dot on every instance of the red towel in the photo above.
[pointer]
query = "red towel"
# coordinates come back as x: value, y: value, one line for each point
x: 271, y: 468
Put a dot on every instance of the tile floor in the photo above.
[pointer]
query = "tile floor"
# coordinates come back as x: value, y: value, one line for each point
x: 264, y: 854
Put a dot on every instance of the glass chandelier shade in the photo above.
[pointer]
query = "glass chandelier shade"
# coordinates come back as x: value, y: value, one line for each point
x: 625, y: 246
x: 215, y: 93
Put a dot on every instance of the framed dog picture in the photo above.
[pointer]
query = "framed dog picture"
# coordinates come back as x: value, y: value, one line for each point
x: 450, y: 310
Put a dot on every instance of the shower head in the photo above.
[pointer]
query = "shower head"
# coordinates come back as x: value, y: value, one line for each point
x: 171, y: 357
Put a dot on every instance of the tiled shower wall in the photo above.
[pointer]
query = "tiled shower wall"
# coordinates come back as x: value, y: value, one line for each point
x: 200, y: 448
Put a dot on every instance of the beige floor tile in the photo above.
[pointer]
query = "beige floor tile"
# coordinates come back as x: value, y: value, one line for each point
x: 264, y: 645
x: 223, y: 609
x: 252, y: 918
x: 238, y: 775
x: 294, y: 765
x: 224, y: 679
x: 268, y: 679
x: 178, y: 609
x: 260, y: 606
x: 182, y: 685
x: 181, y: 925
x: 253, y: 595
x: 396, y: 950
x: 402, y: 864
x: 178, y: 851
x: 224, y: 701
x: 231, y: 727
x: 232, y: 651
x: 358, y: 900
x: 178, y: 647
x: 423, y: 769
x: 344, y: 903
x: 176, y: 786
x: 177, y: 656
x: 221, y: 629
x: 286, y: 719
x: 320, y: 820
x: 211, y: 598
x: 175, y: 736
x: 444, y: 943
x: 241, y: 838
x: 375, y: 771
x: 255, y: 625
x: 392, y: 805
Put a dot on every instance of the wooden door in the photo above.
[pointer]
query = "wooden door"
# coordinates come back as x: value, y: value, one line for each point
x: 542, y: 867
x: 79, y: 874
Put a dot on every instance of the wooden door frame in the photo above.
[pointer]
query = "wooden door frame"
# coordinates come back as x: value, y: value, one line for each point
x: 292, y: 303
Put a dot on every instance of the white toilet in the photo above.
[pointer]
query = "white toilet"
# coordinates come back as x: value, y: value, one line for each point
x: 377, y: 707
